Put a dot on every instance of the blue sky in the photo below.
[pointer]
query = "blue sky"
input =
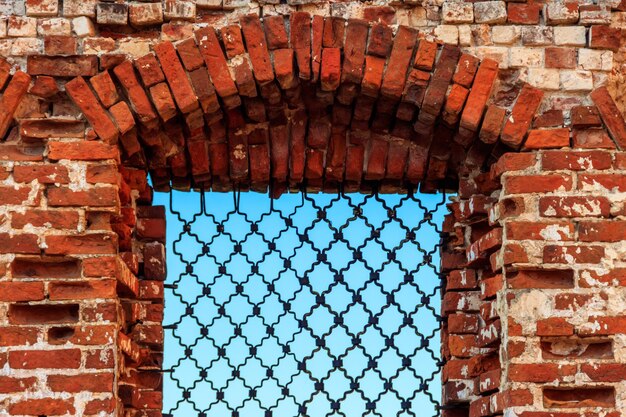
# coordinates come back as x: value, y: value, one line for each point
x: 271, y: 269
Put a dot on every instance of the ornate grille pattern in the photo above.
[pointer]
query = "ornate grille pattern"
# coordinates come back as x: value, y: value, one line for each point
x: 308, y: 305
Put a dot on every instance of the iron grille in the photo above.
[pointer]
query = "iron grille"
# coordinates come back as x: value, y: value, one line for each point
x: 308, y: 305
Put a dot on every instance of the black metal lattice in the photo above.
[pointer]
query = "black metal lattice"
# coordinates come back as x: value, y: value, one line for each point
x: 308, y: 305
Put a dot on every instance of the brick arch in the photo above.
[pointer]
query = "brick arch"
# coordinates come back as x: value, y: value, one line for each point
x: 328, y: 102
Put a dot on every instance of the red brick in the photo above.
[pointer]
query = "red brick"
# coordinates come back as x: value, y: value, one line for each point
x: 176, y: 77
x: 354, y: 55
x: 13, y: 384
x: 82, y: 151
x: 549, y: 118
x: 19, y: 243
x: 523, y: 13
x: 576, y: 160
x: 257, y: 48
x: 380, y: 40
x: 383, y: 14
x: 139, y: 101
x: 334, y: 29
x: 41, y: 218
x: 547, y: 138
x: 466, y: 70
x: 605, y: 37
x: 205, y: 91
x: 104, y: 88
x: 233, y: 41
x: 592, y: 139
x: 554, y: 326
x: 11, y: 98
x: 42, y: 406
x: 99, y: 382
x: 510, y: 162
x: 98, y: 243
x: 18, y: 291
x: 584, y: 117
x: 588, y: 206
x: 81, y: 94
x: 492, y: 124
x: 149, y: 70
x: 454, y: 104
x: 372, y: 80
x: 215, y: 61
x: 44, y: 359
x: 5, y: 72
x: 122, y: 116
x: 560, y: 58
x: 80, y: 290
x: 604, y: 182
x: 522, y: 114
x: 189, y: 54
x: 284, y: 68
x: 603, y: 326
x: 18, y: 195
x: 63, y: 66
x: 554, y: 254
x: 399, y: 60
x: 541, y: 278
x: 44, y: 86
x: 537, y: 183
x: 602, y: 231
x: 438, y: 87
x: 604, y: 372
x: 163, y: 101
x: 540, y: 231
x: 300, y: 23
x: 331, y: 69
x: 425, y: 55
x: 480, y: 92
x: 540, y: 372
x: 59, y: 45
x: 610, y: 114
x: 317, y: 32
x: 275, y: 32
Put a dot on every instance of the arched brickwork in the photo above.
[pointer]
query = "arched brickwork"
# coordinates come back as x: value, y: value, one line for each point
x: 533, y: 242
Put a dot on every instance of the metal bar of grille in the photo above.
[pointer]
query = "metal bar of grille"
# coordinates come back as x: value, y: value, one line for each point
x: 308, y: 305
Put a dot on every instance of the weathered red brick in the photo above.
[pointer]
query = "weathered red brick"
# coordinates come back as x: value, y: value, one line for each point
x: 149, y: 70
x: 42, y: 406
x: 479, y: 94
x: 610, y: 114
x: 547, y: 138
x: 380, y: 40
x: 354, y: 51
x: 401, y: 53
x: 63, y: 66
x: 189, y: 54
x: 94, y: 243
x: 44, y: 359
x: 82, y: 151
x: 257, y: 48
x: 215, y: 61
x: 300, y: 24
x: 275, y: 32
x: 176, y: 77
x: 605, y: 37
x: 522, y: 114
x: 331, y: 69
x: 104, y: 88
x: 11, y: 98
x: 137, y: 96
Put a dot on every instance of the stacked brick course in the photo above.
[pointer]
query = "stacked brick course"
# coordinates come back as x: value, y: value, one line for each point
x: 509, y: 103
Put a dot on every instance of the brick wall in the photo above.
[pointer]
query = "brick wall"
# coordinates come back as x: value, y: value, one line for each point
x: 515, y: 105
